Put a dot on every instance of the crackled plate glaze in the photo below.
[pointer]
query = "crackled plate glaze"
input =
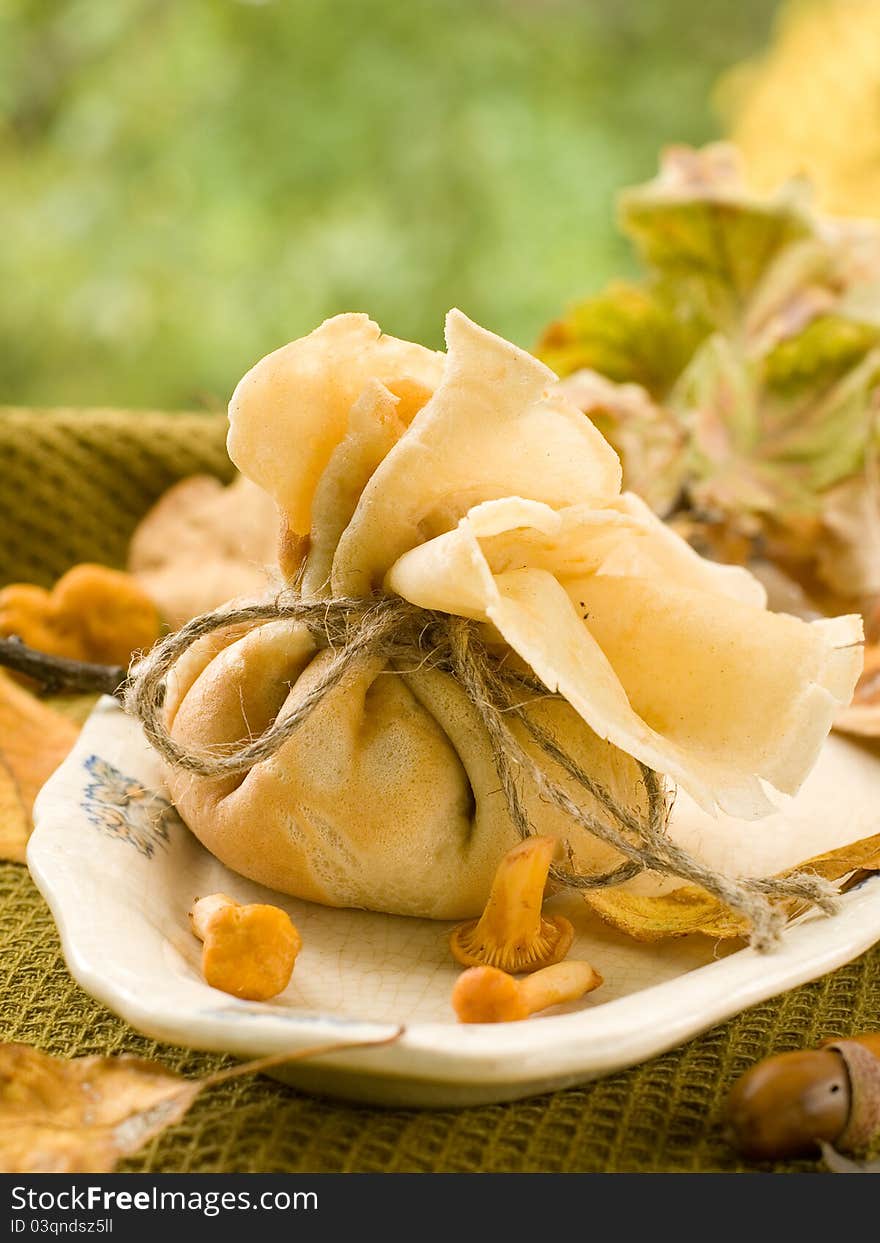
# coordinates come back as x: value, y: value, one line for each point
x: 120, y: 869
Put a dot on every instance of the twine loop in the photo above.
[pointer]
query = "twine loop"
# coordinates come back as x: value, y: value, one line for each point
x: 359, y: 630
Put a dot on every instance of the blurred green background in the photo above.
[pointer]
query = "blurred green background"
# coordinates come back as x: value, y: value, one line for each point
x: 186, y: 186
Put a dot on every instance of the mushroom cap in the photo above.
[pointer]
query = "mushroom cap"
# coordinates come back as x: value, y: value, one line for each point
x: 92, y: 613
x: 26, y: 611
x: 487, y: 995
x: 513, y: 934
x: 473, y: 945
x: 249, y: 951
x: 110, y: 610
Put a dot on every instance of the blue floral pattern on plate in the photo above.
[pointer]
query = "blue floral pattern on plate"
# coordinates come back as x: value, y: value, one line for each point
x: 123, y: 808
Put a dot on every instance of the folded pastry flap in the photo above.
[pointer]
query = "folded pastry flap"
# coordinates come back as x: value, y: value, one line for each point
x: 666, y: 662
x: 494, y: 428
x: 292, y: 409
x: 374, y: 427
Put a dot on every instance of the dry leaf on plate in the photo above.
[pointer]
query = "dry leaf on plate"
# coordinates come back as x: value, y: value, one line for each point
x: 33, y: 742
x: 690, y: 909
x: 60, y: 1116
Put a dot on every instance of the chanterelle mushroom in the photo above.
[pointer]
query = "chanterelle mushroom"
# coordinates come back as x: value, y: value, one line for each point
x: 512, y: 933
x: 487, y: 995
x: 249, y: 951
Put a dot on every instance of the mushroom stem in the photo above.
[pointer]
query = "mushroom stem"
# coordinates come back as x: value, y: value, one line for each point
x: 553, y: 986
x: 512, y: 933
x: 514, y: 905
x: 248, y: 950
x: 487, y: 995
x: 204, y: 909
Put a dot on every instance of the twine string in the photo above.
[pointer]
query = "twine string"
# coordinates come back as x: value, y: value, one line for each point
x: 653, y: 849
x: 356, y: 631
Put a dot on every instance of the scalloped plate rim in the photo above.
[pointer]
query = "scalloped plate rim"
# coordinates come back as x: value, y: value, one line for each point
x: 491, y: 1062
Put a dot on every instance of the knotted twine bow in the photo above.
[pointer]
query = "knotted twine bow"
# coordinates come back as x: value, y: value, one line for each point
x: 355, y: 630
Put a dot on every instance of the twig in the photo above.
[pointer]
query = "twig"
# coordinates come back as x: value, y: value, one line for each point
x: 58, y: 674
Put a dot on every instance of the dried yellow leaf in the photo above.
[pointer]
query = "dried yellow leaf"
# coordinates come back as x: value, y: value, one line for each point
x: 691, y: 909
x: 15, y: 825
x: 68, y: 1117
x: 60, y: 1116
x: 33, y: 741
x: 661, y: 917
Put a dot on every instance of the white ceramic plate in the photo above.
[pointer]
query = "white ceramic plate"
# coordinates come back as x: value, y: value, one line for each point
x: 120, y: 870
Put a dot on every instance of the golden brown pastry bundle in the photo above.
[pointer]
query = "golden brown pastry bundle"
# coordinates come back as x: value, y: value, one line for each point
x: 467, y: 483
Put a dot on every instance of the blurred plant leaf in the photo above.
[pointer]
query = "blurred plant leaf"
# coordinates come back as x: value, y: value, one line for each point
x: 83, y: 1115
x: 848, y: 550
x: 757, y: 334
x: 753, y: 449
x: 697, y: 228
x: 808, y: 101
x: 628, y: 333
x: 645, y: 433
x: 826, y: 348
x: 715, y: 400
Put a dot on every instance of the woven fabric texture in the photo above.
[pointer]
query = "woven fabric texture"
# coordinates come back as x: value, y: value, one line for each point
x: 73, y: 483
x: 72, y: 487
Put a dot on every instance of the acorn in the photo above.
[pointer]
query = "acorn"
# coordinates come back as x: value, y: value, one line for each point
x: 786, y: 1105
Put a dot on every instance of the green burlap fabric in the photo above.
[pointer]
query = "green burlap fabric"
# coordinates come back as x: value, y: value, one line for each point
x: 73, y: 483
x: 72, y: 486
